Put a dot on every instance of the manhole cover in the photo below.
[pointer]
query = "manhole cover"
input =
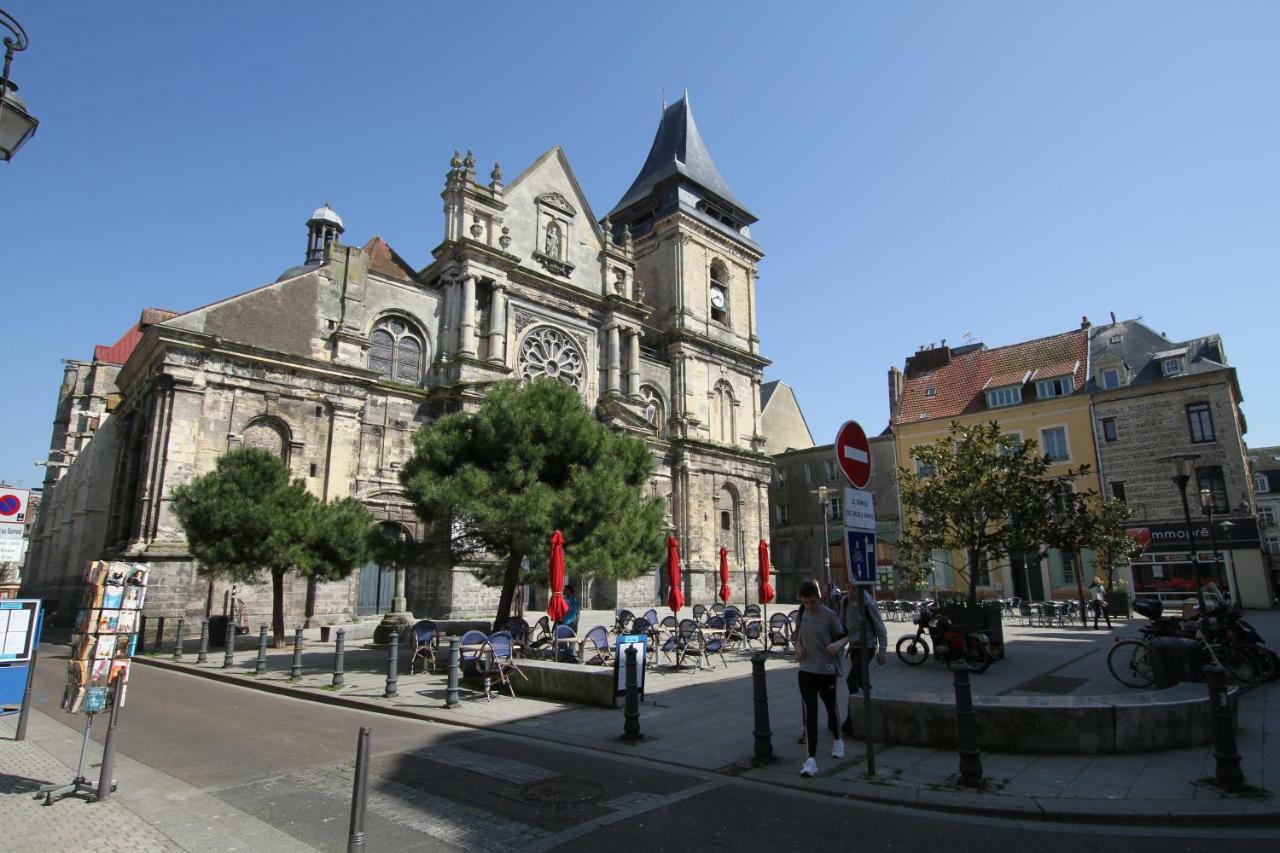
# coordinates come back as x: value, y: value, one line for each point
x: 561, y: 793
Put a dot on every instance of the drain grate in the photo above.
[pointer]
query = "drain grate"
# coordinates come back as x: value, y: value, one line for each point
x: 1059, y: 685
x: 561, y: 794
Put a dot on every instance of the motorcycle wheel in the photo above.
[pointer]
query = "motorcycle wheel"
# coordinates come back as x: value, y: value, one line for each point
x: 976, y: 655
x: 1130, y: 664
x: 913, y: 650
x: 1241, y: 667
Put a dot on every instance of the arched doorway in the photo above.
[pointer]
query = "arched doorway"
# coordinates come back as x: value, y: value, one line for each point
x: 378, y: 580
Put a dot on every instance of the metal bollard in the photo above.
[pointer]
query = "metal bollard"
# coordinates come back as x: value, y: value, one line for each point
x: 105, y: 783
x: 393, y: 665
x: 966, y: 728
x: 228, y: 656
x: 631, y: 716
x: 203, y: 655
x: 155, y: 647
x: 455, y: 674
x: 1225, y: 751
x: 295, y: 671
x: 142, y: 634
x: 260, y: 666
x: 760, y: 692
x: 177, y: 639
x: 339, y: 657
x: 359, y: 793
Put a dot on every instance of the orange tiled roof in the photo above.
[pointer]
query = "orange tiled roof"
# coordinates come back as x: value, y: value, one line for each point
x: 119, y: 352
x: 957, y: 386
x: 384, y: 260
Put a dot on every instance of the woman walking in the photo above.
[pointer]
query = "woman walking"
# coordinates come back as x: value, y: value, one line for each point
x: 819, y: 637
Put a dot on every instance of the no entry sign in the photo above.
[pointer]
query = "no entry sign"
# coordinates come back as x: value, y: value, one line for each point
x: 853, y: 453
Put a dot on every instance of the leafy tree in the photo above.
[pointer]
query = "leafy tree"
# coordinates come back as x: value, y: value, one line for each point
x: 246, y: 517
x: 530, y: 461
x: 972, y: 484
x: 1111, y: 545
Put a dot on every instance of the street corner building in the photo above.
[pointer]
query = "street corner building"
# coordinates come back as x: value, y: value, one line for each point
x: 649, y: 312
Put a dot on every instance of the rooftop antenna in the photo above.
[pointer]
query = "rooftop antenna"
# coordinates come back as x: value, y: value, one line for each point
x: 664, y: 101
x: 967, y: 337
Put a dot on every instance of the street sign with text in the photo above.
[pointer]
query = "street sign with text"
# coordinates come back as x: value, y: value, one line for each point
x: 853, y: 453
x: 859, y: 510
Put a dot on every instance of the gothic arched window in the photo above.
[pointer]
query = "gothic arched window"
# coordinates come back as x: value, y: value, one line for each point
x: 547, y: 351
x: 653, y: 409
x: 722, y: 426
x: 396, y: 351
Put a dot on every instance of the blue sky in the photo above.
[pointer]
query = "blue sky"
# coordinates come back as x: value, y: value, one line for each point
x: 921, y: 170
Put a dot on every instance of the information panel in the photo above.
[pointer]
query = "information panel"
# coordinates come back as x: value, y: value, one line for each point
x: 17, y: 629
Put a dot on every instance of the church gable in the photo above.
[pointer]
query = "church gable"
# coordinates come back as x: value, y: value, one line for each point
x: 552, y: 227
x: 280, y: 316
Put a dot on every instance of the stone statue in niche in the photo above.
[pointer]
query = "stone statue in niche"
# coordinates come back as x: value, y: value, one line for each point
x: 619, y: 281
x: 552, y: 247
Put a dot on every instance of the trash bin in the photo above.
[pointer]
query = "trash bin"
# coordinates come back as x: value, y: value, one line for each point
x: 218, y: 632
x: 1174, y: 660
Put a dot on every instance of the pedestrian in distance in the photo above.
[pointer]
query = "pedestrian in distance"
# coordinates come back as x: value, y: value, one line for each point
x: 859, y: 606
x: 1098, y: 602
x: 819, y: 636
x: 571, y: 615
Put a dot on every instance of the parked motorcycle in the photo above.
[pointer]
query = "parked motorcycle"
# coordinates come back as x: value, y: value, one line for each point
x: 946, y: 642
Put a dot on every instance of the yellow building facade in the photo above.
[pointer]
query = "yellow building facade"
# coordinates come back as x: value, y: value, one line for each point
x: 1034, y: 389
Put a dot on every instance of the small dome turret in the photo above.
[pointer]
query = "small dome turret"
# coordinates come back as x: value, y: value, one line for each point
x: 323, y: 229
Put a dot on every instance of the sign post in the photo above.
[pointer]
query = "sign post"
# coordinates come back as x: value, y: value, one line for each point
x: 853, y: 453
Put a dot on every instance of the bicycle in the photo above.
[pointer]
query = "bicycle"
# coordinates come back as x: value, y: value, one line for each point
x: 1129, y: 660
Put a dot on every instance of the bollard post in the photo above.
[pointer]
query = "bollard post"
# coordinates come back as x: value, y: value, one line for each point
x: 295, y: 671
x: 228, y: 656
x: 1225, y: 753
x: 359, y: 793
x: 177, y: 639
x: 760, y: 692
x: 455, y: 674
x: 260, y: 665
x: 155, y: 647
x: 966, y: 727
x: 631, y: 714
x: 393, y: 665
x: 203, y: 655
x: 339, y: 657
x: 142, y: 634
x: 105, y: 783
x: 868, y: 721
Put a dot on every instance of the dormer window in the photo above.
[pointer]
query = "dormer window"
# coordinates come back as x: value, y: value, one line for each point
x: 1110, y: 378
x: 1009, y: 395
x: 1058, y: 386
x: 1260, y: 484
x: 1171, y: 366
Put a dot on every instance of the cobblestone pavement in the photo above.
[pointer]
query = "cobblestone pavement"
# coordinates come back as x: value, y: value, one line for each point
x: 69, y: 824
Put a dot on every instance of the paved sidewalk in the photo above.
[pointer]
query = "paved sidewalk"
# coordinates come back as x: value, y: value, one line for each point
x: 151, y: 811
x: 703, y: 719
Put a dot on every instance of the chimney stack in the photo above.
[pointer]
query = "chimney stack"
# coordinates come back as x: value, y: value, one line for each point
x: 895, y: 392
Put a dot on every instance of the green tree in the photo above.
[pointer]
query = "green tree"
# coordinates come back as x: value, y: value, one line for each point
x: 1113, y: 547
x: 246, y: 517
x: 971, y: 487
x: 530, y: 461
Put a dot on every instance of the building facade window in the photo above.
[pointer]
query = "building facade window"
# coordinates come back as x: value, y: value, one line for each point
x: 1200, y: 421
x: 1109, y: 429
x: 784, y: 515
x: 396, y: 351
x: 931, y: 391
x: 549, y: 352
x: 1110, y: 378
x: 1054, y: 442
x: 1210, y: 477
x: 999, y: 397
x: 835, y: 508
x: 782, y: 477
x: 808, y: 474
x: 1117, y: 489
x: 829, y: 465
x: 1171, y: 366
x: 719, y: 294
x: 1059, y: 386
x: 1260, y: 484
x: 1267, y: 514
x: 1273, y: 545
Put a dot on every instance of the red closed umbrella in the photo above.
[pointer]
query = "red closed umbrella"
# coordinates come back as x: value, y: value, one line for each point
x: 557, y: 607
x: 766, y: 590
x: 675, y: 599
x: 724, y: 574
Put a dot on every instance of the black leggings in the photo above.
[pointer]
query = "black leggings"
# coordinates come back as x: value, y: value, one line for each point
x: 814, y: 686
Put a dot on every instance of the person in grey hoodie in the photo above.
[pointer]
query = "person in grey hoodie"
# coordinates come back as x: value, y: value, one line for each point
x: 819, y: 637
x: 859, y: 607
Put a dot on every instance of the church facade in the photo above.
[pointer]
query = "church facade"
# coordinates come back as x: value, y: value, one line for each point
x: 649, y: 313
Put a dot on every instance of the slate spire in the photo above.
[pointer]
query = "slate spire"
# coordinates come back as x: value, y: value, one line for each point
x: 679, y: 153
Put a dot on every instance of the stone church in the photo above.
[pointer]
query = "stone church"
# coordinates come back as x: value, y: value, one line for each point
x: 648, y: 312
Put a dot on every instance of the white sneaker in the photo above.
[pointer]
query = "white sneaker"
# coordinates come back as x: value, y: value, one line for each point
x: 837, y: 749
x: 810, y: 768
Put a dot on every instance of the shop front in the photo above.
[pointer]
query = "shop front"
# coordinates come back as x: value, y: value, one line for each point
x: 1167, y: 567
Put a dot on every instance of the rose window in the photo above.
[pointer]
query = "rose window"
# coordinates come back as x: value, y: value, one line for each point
x: 550, y: 352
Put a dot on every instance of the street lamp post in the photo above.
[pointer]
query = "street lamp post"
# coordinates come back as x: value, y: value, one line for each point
x: 1206, y: 503
x: 822, y: 492
x: 16, y: 124
x: 1181, y: 463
